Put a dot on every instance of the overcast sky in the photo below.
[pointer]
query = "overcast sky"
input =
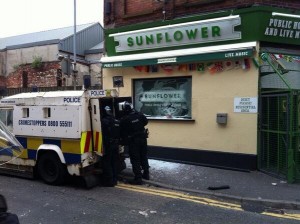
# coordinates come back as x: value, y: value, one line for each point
x: 27, y: 16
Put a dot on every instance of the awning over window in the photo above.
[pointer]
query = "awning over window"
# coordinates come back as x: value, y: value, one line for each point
x: 220, y: 52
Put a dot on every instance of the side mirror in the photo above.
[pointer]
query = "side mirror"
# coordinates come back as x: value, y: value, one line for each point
x: 3, y: 205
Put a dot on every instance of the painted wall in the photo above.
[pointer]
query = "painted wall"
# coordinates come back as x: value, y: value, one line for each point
x: 21, y: 56
x: 211, y: 94
x: 95, y: 68
x: 2, y: 63
x: 18, y: 60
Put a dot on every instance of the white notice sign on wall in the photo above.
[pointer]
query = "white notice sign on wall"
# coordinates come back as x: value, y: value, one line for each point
x: 245, y: 104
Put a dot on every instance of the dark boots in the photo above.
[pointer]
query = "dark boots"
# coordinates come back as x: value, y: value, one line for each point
x: 146, y: 175
x: 136, y: 181
x: 110, y: 183
x: 139, y: 181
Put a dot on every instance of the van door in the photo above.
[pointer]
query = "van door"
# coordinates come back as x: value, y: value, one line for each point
x: 96, y: 113
x: 95, y: 120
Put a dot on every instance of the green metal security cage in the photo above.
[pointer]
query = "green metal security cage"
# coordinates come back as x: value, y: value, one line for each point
x: 279, y: 132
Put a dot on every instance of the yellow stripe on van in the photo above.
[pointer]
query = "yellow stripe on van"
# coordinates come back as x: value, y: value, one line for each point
x: 24, y: 154
x: 34, y: 143
x: 83, y: 141
x: 101, y: 144
x: 71, y: 146
x: 86, y: 142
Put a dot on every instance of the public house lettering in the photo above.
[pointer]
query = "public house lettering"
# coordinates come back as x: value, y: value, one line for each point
x: 283, y: 28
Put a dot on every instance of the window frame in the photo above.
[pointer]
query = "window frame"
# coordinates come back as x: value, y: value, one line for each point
x: 178, y: 106
x: 7, y: 115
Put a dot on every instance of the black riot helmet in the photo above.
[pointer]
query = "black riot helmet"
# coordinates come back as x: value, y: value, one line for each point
x: 108, y: 110
x: 126, y: 107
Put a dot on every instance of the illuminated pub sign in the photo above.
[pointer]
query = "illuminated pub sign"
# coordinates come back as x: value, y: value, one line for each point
x: 204, y: 31
x: 273, y: 27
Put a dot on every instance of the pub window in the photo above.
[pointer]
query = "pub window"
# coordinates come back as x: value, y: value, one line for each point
x: 163, y: 98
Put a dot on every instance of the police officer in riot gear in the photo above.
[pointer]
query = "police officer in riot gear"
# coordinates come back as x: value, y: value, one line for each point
x: 135, y: 135
x: 111, y: 136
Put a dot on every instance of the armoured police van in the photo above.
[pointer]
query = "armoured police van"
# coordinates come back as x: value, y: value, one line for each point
x: 60, y: 132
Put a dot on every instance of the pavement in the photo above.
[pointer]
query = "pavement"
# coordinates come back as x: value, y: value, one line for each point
x: 253, y: 187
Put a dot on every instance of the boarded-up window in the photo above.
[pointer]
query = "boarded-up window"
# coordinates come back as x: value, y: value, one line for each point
x: 25, y: 79
x: 59, y: 77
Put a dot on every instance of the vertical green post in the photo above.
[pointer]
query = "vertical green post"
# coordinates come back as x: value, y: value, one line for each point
x: 290, y: 158
x: 268, y: 134
x: 278, y: 102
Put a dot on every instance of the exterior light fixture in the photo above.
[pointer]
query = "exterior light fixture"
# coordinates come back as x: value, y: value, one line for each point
x: 61, y: 57
x: 285, y: 15
x: 118, y: 81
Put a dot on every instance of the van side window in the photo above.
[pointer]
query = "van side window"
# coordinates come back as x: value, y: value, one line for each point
x: 25, y: 112
x: 47, y: 112
x: 6, y: 116
x: 95, y: 109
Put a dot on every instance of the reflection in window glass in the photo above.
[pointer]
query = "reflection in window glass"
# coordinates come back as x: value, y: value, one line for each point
x: 9, y: 118
x: 289, y: 65
x: 3, y: 116
x: 167, y: 98
x: 6, y: 116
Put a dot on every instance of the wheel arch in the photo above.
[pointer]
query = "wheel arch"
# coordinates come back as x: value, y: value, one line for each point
x: 50, y: 148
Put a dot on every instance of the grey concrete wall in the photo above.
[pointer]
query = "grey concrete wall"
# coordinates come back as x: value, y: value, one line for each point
x: 20, y: 56
x: 2, y: 63
x: 10, y: 61
x: 95, y: 68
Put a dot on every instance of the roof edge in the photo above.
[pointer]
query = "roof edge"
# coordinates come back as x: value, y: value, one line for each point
x: 33, y: 44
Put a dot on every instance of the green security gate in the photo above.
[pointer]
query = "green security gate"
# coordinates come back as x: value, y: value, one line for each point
x: 279, y: 131
x: 274, y: 134
x: 279, y: 135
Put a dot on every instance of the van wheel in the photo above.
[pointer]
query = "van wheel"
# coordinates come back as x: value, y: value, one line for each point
x: 51, y: 170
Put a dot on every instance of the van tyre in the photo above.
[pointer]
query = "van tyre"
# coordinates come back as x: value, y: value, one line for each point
x: 51, y: 170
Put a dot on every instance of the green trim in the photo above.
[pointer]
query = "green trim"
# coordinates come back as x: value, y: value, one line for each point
x: 254, y: 23
x: 182, y: 59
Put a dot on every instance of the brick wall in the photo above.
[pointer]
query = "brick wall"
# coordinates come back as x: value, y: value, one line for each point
x: 127, y: 12
x: 44, y: 77
x: 2, y: 81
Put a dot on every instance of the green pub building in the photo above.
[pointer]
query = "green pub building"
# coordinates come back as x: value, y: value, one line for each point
x: 219, y: 89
